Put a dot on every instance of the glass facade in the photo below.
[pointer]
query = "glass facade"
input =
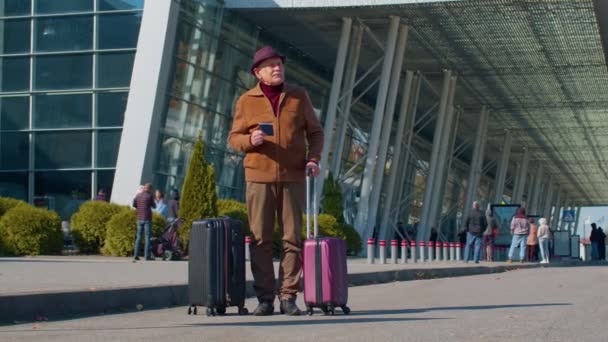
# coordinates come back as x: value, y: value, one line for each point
x: 65, y: 69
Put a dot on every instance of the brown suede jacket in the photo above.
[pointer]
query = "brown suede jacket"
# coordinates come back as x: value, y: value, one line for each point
x: 297, y: 139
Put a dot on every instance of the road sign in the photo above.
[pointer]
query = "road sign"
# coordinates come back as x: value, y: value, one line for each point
x: 568, y: 216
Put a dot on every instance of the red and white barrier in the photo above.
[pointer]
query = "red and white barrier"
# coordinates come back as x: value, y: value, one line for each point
x: 394, y: 251
x: 404, y: 252
x: 413, y: 250
x: 370, y: 250
x: 247, y: 247
x: 383, y: 251
x: 422, y: 248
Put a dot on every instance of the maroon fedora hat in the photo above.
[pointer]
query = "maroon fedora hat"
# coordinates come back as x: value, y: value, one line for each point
x: 263, y: 54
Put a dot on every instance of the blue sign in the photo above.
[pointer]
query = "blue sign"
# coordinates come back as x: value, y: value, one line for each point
x: 568, y: 215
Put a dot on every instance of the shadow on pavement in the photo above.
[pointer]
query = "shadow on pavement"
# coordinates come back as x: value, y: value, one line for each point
x: 447, y: 308
x: 335, y: 320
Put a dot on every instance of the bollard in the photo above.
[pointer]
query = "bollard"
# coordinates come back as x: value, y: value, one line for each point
x: 452, y: 251
x: 422, y: 245
x: 431, y: 250
x: 413, y: 250
x: 382, y: 251
x: 458, y: 251
x: 394, y: 251
x: 438, y: 251
x: 370, y: 250
x: 247, y: 250
x: 446, y: 251
x: 404, y: 252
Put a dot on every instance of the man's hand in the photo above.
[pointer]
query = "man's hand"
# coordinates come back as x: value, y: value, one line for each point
x: 313, y: 167
x: 257, y: 138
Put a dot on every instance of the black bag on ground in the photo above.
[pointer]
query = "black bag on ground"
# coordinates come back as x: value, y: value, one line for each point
x: 216, y: 268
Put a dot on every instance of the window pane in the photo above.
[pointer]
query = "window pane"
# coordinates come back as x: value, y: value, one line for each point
x: 14, y: 184
x: 63, y: 72
x: 111, y: 109
x: 64, y: 33
x: 55, y: 150
x: 14, y: 7
x: 111, y: 5
x: 14, y: 150
x: 64, y: 190
x: 118, y: 31
x: 15, y: 74
x: 107, y: 148
x: 14, y: 113
x: 105, y: 180
x: 14, y: 36
x: 63, y: 6
x: 114, y: 69
x: 62, y: 111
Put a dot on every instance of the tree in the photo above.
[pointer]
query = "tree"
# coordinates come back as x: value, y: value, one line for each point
x: 199, y: 197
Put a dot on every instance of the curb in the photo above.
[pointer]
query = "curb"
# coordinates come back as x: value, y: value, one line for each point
x: 28, y: 306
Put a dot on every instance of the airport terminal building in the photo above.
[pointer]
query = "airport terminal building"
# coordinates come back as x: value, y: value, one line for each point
x: 426, y: 105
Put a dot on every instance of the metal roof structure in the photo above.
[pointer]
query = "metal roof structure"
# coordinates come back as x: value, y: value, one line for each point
x: 539, y: 65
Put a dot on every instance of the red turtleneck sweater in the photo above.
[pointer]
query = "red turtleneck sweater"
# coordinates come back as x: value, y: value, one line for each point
x: 273, y: 93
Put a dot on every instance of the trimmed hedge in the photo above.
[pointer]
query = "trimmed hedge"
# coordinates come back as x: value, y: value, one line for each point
x: 236, y: 210
x: 88, y: 224
x: 353, y: 239
x: 121, y: 231
x: 7, y: 203
x: 28, y: 230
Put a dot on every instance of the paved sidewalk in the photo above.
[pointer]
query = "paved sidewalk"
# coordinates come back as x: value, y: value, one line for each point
x: 68, y: 285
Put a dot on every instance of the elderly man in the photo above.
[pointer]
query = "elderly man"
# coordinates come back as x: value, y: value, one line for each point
x: 474, y: 225
x: 275, y: 125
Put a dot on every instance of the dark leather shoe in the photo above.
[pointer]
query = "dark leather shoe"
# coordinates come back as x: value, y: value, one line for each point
x: 289, y: 307
x: 264, y: 309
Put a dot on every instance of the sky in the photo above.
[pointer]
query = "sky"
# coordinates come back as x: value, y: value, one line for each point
x: 598, y: 215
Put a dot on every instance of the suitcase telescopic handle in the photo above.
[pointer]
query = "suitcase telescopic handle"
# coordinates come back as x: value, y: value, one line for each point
x: 311, y: 202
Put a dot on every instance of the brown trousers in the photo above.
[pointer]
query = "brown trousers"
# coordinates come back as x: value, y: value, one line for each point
x: 285, y: 201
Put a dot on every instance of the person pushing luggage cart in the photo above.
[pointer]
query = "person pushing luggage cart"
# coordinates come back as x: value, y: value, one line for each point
x: 276, y: 127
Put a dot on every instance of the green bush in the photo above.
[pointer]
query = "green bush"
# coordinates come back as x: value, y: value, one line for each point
x: 25, y: 229
x: 332, y: 199
x: 353, y: 239
x: 199, y: 197
x: 236, y: 210
x: 88, y: 224
x: 121, y: 231
x: 328, y: 226
x: 7, y: 203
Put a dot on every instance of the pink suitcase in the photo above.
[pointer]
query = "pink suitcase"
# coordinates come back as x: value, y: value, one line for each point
x: 325, y: 274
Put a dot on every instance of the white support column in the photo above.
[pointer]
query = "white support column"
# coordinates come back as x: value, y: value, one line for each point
x: 534, y: 201
x: 347, y: 92
x: 363, y: 226
x: 332, y: 107
x: 397, y: 154
x: 443, y: 168
x: 520, y: 181
x: 503, y: 166
x: 389, y: 114
x: 546, y: 210
x: 576, y: 219
x: 147, y: 97
x: 477, y: 161
x: 438, y: 138
x: 556, y: 210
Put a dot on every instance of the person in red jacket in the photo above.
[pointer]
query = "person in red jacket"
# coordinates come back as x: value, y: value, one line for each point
x: 275, y: 126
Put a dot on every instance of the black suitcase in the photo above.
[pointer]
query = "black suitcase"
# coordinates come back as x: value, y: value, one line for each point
x: 216, y: 268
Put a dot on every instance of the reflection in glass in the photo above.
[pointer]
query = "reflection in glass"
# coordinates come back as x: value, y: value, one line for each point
x: 111, y: 108
x: 63, y: 72
x: 118, y: 31
x: 107, y: 147
x: 14, y: 36
x: 105, y: 179
x: 14, y: 113
x: 62, y: 111
x: 14, y: 147
x: 14, y: 7
x: 57, y: 150
x: 112, y: 5
x: 14, y: 184
x: 64, y: 191
x: 64, y: 33
x: 63, y: 6
x: 114, y: 69
x: 15, y: 73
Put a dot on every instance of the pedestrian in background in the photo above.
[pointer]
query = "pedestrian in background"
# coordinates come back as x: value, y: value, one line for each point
x: 160, y: 203
x: 474, y: 225
x: 520, y: 227
x: 544, y: 235
x: 488, y: 235
x: 144, y: 203
x: 532, y: 241
x: 173, y: 210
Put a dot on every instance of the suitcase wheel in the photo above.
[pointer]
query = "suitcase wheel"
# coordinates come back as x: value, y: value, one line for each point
x: 221, y: 311
x: 192, y: 310
x: 331, y: 310
x: 243, y: 311
x: 309, y: 310
x: 325, y: 310
x: 210, y: 312
x: 345, y: 309
x: 168, y: 255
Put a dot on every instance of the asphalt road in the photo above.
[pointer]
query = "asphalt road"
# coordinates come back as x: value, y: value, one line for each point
x: 546, y: 304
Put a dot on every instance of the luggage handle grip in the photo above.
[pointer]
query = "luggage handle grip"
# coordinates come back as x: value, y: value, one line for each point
x: 309, y: 200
